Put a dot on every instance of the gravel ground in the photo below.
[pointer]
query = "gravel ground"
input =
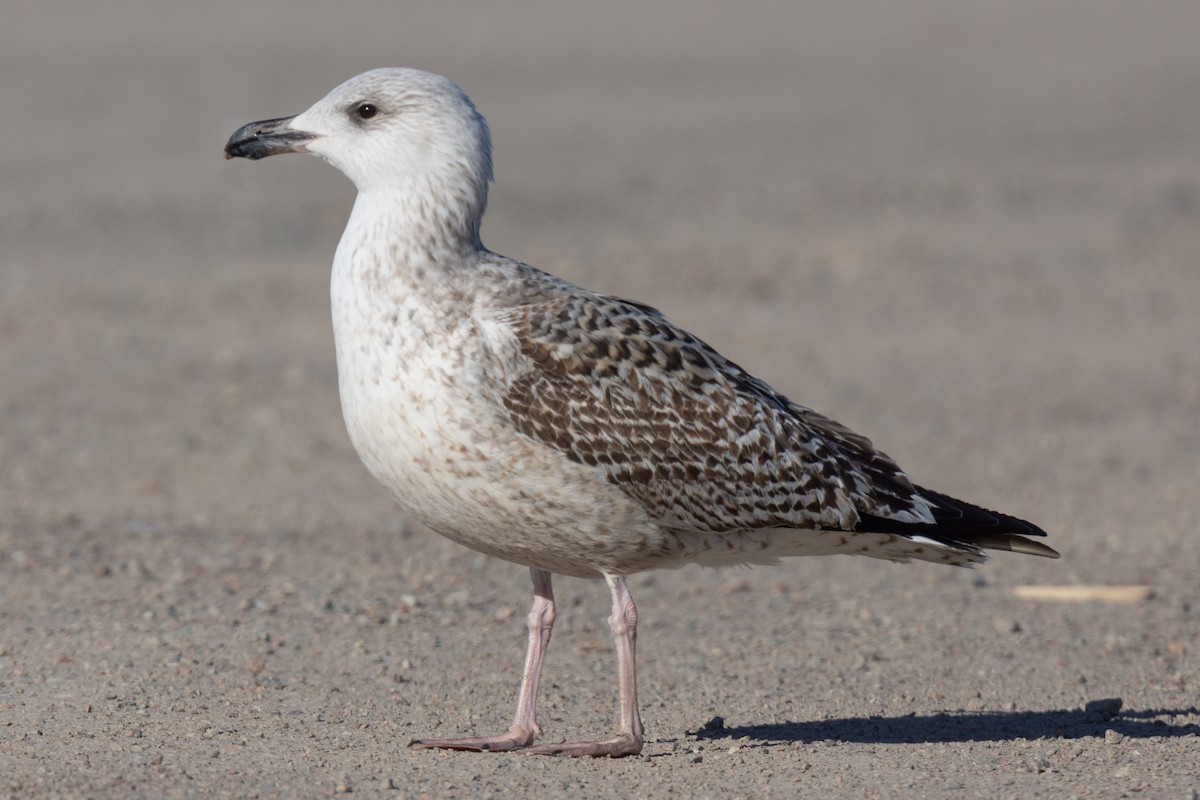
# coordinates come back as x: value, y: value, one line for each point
x: 969, y: 231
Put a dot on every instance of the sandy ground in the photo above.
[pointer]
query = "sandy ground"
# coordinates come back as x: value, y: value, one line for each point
x: 970, y: 231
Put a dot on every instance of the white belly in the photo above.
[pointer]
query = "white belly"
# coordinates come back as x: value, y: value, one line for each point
x: 415, y: 390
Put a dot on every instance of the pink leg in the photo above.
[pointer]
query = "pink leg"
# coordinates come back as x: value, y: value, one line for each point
x: 628, y: 740
x: 524, y: 728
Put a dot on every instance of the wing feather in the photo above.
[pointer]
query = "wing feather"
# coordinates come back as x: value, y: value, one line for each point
x: 701, y: 443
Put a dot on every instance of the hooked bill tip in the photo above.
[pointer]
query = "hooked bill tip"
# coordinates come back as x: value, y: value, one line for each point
x: 266, y: 138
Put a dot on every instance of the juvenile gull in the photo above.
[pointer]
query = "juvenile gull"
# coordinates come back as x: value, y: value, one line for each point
x: 569, y: 431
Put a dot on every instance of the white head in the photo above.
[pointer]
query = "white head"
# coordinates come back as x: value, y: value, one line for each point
x: 401, y: 131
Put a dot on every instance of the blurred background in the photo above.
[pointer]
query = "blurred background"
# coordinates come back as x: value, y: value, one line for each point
x: 969, y: 230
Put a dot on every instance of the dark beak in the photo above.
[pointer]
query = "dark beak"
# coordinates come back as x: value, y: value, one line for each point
x: 267, y: 138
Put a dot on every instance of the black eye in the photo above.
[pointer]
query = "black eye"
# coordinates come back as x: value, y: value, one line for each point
x: 366, y: 111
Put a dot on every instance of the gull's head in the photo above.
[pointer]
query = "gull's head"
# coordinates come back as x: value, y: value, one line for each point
x: 398, y: 130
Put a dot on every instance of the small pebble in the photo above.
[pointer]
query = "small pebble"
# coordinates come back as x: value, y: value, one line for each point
x: 1113, y: 737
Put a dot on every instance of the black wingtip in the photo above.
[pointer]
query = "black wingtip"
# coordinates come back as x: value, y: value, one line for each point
x: 965, y: 525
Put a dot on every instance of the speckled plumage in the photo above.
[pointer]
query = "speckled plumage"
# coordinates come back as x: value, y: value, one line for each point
x: 548, y: 425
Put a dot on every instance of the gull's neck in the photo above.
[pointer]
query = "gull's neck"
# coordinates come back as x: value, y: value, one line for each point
x: 419, y: 222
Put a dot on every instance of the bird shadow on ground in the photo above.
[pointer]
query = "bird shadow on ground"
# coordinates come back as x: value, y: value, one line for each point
x: 967, y: 727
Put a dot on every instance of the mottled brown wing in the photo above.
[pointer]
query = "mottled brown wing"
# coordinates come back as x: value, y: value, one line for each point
x: 701, y: 443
